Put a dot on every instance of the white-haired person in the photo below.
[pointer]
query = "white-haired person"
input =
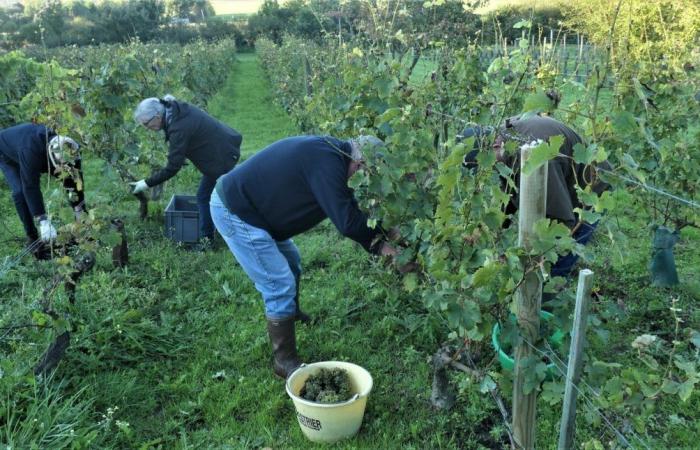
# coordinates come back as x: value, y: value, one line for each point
x: 212, y: 146
x: 26, y: 152
x: 284, y: 190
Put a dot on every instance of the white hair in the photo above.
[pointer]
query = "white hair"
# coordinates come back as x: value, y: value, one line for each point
x: 360, y: 143
x: 151, y: 107
x: 356, y: 151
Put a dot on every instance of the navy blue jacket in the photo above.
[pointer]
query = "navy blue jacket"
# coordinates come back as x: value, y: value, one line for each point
x: 25, y: 145
x: 213, y: 147
x: 295, y: 183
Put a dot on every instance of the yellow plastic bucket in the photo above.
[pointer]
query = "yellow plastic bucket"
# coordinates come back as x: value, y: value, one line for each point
x: 330, y: 422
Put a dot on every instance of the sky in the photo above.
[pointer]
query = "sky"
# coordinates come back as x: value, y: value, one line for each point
x: 236, y: 6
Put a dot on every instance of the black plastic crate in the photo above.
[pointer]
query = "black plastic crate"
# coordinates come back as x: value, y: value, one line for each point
x: 182, y: 219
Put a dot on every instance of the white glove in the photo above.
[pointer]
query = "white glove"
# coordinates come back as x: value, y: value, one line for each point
x: 47, y: 231
x: 531, y: 145
x: 139, y: 186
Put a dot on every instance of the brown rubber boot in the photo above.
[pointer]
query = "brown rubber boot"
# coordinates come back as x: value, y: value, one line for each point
x: 284, y: 346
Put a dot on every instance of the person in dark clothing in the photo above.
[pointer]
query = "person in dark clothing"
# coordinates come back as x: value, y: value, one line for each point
x: 562, y: 177
x: 213, y: 147
x: 26, y: 151
x: 280, y: 192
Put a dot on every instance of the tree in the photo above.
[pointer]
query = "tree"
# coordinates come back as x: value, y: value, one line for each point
x: 270, y: 21
x: 119, y: 22
x: 500, y: 22
x: 194, y: 10
x: 51, y: 21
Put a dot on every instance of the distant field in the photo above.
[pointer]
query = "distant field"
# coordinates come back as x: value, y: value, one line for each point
x: 220, y: 6
x: 251, y: 6
x: 495, y: 4
x: 236, y: 6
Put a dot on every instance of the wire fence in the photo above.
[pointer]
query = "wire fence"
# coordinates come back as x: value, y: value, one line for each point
x: 10, y: 103
x: 571, y: 61
x: 587, y: 394
x: 11, y: 261
x: 576, y: 61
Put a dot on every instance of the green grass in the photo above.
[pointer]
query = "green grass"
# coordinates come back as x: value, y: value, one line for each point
x: 246, y: 104
x: 174, y: 345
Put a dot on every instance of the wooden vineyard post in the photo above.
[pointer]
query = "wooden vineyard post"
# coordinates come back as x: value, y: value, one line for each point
x: 573, y: 373
x: 564, y: 55
x: 532, y: 207
x: 307, y: 76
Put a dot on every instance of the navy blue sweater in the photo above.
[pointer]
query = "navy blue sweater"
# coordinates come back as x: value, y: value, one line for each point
x: 295, y: 183
x: 25, y: 145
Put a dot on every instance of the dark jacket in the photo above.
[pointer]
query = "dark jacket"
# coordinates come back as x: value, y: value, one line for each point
x: 563, y: 172
x: 25, y: 145
x: 295, y: 183
x: 213, y: 148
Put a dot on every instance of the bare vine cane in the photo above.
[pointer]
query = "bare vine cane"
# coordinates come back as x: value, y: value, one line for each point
x: 125, y: 175
x: 57, y: 349
x: 120, y: 252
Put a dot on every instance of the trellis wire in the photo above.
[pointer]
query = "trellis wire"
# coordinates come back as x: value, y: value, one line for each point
x: 589, y: 403
x: 10, y: 262
x: 645, y: 186
x: 591, y: 390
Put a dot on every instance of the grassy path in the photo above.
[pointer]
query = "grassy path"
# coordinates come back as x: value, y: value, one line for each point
x: 246, y: 104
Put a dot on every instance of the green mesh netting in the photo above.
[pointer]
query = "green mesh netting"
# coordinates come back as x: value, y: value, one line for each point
x: 663, y: 264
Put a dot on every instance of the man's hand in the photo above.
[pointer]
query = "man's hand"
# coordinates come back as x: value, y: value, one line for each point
x: 47, y: 231
x: 408, y: 267
x: 394, y: 234
x: 389, y: 250
x: 139, y: 186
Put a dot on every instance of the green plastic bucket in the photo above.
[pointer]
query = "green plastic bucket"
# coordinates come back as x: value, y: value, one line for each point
x: 508, y: 362
x: 330, y: 422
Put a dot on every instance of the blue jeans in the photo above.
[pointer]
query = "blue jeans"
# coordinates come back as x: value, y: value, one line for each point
x: 272, y: 265
x: 11, y: 171
x: 206, y: 226
x: 565, y: 263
